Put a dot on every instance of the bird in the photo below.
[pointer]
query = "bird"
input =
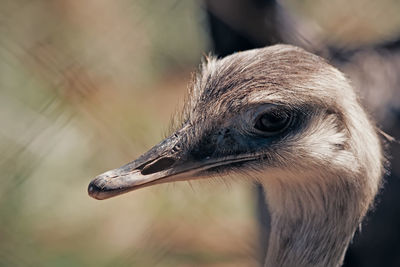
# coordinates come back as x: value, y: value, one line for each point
x: 287, y: 119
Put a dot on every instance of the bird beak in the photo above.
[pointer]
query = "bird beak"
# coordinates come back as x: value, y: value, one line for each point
x: 163, y: 163
x: 166, y: 162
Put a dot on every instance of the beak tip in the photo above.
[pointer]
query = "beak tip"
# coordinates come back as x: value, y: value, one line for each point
x: 94, y: 191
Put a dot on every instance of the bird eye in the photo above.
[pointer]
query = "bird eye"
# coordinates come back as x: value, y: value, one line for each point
x: 273, y: 122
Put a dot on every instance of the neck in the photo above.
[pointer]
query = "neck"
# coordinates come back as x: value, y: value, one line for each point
x: 312, y: 224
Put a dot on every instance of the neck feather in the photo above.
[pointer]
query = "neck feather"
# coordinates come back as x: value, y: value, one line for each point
x: 312, y: 222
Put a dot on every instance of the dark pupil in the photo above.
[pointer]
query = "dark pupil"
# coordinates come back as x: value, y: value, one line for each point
x: 272, y: 122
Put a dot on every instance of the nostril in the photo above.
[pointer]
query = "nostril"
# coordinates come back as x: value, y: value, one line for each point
x: 176, y: 148
x: 158, y: 165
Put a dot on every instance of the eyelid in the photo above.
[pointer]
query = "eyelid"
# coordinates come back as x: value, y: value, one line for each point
x: 245, y: 124
x: 261, y: 110
x: 264, y: 133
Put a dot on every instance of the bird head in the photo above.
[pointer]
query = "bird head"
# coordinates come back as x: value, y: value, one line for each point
x: 273, y: 113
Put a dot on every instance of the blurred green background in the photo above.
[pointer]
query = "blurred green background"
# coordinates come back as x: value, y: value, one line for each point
x: 86, y: 86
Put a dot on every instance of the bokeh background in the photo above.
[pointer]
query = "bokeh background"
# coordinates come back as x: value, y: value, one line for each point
x: 86, y: 86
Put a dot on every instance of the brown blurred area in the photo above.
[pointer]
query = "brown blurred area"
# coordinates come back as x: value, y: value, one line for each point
x: 86, y: 86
